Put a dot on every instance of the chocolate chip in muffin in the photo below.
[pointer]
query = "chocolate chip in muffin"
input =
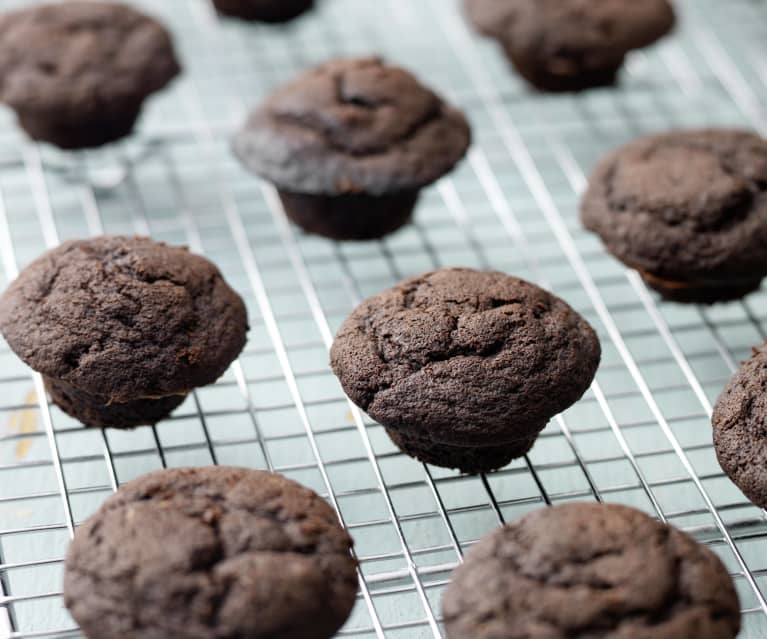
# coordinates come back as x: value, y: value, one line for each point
x: 77, y: 73
x: 687, y: 209
x: 350, y: 144
x: 123, y: 328
x: 590, y: 570
x: 211, y: 552
x: 464, y: 368
x: 740, y: 428
x: 263, y: 10
x: 570, y: 45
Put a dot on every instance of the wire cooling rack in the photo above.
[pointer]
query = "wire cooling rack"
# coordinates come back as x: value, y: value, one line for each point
x: 640, y: 436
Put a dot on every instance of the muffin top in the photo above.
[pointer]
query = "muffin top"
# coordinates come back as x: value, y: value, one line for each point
x: 564, y: 36
x: 590, y: 570
x: 465, y: 356
x: 353, y: 126
x: 76, y: 57
x: 740, y: 428
x: 211, y: 552
x: 684, y: 205
x: 124, y: 318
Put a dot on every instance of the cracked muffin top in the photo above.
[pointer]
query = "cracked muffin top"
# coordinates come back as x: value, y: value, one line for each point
x: 686, y: 204
x: 350, y: 126
x: 211, y: 552
x: 590, y: 570
x: 124, y: 318
x: 465, y: 356
x: 77, y: 57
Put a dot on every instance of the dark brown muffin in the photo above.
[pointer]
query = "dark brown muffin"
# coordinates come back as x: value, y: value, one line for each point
x: 569, y: 45
x: 464, y: 368
x: 211, y: 553
x: 77, y: 73
x: 590, y: 570
x: 687, y: 209
x: 740, y: 428
x: 123, y: 328
x: 264, y: 10
x: 350, y: 143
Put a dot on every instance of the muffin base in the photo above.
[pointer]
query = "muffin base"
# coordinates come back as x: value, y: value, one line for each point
x: 277, y: 11
x: 86, y: 133
x: 92, y: 411
x: 354, y: 216
x: 561, y: 83
x: 469, y: 460
x: 701, y: 292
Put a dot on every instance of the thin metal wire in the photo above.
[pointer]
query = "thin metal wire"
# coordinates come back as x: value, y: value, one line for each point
x: 195, y: 242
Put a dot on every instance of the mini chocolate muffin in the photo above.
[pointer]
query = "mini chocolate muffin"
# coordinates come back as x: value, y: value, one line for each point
x: 464, y: 368
x: 688, y: 210
x: 349, y: 145
x: 740, y: 428
x: 263, y: 10
x: 570, y: 45
x: 123, y: 328
x: 77, y: 73
x: 590, y: 570
x: 215, y: 552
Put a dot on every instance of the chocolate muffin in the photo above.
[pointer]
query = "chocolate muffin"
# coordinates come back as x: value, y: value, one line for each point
x: 349, y: 145
x: 688, y: 210
x: 590, y: 570
x: 211, y: 552
x: 464, y: 368
x: 740, y: 428
x: 570, y: 45
x: 123, y: 328
x: 77, y: 73
x: 263, y: 10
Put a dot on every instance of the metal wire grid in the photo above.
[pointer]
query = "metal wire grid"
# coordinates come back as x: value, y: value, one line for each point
x: 641, y: 436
